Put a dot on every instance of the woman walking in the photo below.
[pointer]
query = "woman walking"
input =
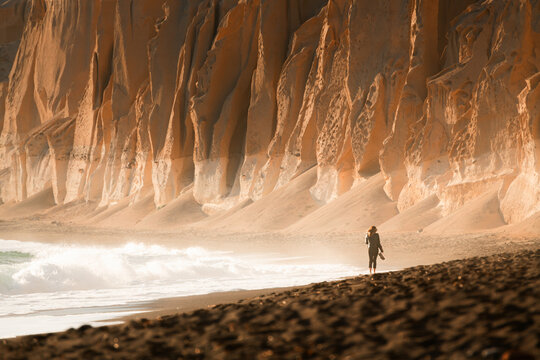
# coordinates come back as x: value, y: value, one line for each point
x: 374, y: 244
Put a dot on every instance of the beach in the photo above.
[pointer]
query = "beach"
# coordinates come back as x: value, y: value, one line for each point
x: 434, y: 296
x: 476, y: 308
x: 205, y: 179
x: 52, y: 286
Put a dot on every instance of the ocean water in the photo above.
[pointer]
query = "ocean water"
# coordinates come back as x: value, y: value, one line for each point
x: 49, y: 287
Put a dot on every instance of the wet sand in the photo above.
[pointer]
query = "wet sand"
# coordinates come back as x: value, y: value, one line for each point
x: 476, y: 308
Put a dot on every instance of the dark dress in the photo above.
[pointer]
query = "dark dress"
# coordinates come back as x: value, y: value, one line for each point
x: 373, y: 250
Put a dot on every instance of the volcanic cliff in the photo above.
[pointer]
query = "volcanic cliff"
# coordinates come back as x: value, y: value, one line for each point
x: 220, y: 105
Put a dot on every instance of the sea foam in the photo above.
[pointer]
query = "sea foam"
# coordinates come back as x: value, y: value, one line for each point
x: 68, y: 280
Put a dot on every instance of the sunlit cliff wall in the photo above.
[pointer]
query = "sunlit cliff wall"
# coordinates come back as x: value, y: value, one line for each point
x: 108, y: 99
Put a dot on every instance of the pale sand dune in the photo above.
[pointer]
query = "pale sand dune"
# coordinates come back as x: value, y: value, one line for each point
x: 101, y: 214
x: 528, y: 227
x: 414, y: 218
x: 290, y: 209
x: 75, y: 211
x: 179, y: 212
x: 123, y: 214
x: 364, y: 205
x: 128, y: 215
x: 220, y: 216
x: 33, y: 205
x: 481, y: 213
x: 275, y: 211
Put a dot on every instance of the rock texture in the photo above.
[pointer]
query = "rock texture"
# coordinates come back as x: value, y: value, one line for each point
x: 107, y: 100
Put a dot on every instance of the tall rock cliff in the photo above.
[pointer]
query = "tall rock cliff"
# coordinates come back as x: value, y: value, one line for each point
x: 232, y: 99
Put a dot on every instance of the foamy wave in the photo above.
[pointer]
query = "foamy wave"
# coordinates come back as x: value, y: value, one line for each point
x: 52, y: 268
x: 70, y: 284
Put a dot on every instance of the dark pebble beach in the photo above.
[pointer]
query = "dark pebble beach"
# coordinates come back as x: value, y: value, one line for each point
x: 477, y: 308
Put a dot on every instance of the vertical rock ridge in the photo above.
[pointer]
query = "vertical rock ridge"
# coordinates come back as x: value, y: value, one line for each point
x: 104, y: 100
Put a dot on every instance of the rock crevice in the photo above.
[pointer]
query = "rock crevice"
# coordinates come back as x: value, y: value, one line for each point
x: 105, y: 100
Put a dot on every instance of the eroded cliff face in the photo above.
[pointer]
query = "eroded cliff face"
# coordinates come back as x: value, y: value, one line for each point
x: 113, y: 99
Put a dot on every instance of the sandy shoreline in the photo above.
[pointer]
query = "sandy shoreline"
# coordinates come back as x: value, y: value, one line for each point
x: 175, y: 305
x: 464, y: 309
x: 403, y: 250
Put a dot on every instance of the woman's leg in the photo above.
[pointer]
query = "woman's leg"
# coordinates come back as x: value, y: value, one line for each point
x: 372, y: 261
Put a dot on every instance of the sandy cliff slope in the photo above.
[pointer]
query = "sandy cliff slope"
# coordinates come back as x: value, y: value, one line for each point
x: 193, y: 111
